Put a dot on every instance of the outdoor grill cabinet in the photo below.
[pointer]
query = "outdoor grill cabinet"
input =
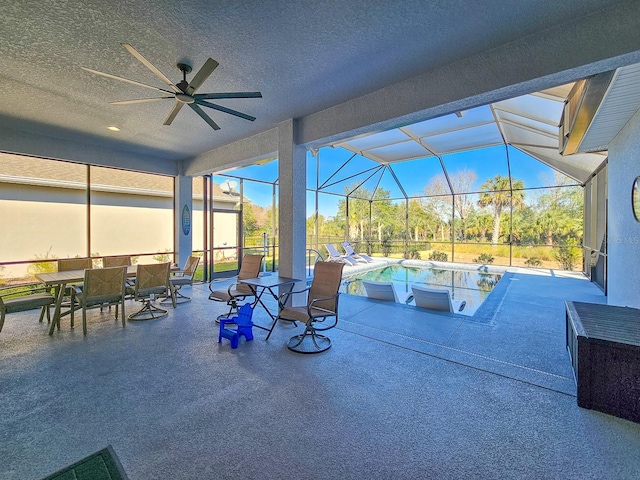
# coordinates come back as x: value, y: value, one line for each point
x: 603, y: 342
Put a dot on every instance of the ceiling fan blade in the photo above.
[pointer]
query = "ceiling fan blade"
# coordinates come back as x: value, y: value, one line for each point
x: 173, y: 113
x: 229, y: 95
x: 204, y: 116
x: 148, y: 64
x: 108, y: 75
x: 142, y: 100
x: 207, y: 69
x: 225, y: 110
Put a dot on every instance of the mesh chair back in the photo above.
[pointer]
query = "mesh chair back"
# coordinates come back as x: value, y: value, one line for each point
x: 250, y: 269
x: 66, y: 264
x: 326, y: 283
x: 123, y: 261
x: 191, y: 266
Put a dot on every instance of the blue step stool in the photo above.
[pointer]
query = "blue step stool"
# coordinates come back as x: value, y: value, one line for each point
x: 243, y: 323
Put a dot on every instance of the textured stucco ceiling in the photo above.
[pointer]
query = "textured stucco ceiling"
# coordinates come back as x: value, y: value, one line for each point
x: 303, y: 56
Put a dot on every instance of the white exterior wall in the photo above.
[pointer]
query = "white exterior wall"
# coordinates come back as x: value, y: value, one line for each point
x: 42, y: 220
x: 623, y: 284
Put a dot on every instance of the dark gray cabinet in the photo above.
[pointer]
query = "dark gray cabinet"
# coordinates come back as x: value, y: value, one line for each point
x: 603, y: 342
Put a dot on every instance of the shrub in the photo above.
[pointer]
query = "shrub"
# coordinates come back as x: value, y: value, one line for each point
x: 438, y: 256
x: 484, y: 258
x: 567, y: 255
x: 413, y: 253
x: 163, y: 257
x: 533, y: 262
x: 386, y: 247
x: 43, y: 267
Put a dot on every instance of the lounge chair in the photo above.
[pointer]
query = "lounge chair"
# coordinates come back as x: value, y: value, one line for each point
x: 322, y: 305
x: 385, y: 291
x: 334, y: 255
x: 436, y: 299
x: 352, y: 253
x: 380, y: 290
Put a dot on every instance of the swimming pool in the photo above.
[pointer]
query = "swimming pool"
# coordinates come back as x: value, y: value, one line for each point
x: 468, y: 285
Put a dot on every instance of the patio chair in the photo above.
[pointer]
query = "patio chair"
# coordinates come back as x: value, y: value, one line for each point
x: 436, y: 299
x: 65, y: 265
x: 102, y: 286
x: 319, y: 314
x: 19, y: 299
x: 151, y: 281
x: 180, y: 279
x: 348, y: 249
x: 238, y: 292
x: 122, y: 261
x: 334, y: 255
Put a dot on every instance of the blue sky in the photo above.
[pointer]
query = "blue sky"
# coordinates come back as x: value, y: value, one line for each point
x: 413, y: 175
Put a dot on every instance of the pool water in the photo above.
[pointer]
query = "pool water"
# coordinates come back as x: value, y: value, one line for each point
x: 468, y: 285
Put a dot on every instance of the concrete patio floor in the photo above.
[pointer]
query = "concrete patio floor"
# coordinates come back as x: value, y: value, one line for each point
x: 403, y: 393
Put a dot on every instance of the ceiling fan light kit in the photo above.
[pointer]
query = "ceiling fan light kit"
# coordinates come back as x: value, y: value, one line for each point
x: 184, y: 92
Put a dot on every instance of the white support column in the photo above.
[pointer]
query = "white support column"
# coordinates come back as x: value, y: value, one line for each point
x: 183, y: 216
x: 292, y: 203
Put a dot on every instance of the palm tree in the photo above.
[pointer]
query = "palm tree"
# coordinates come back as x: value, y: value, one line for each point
x: 498, y: 193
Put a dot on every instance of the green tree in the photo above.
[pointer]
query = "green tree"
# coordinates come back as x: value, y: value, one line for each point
x: 496, y: 195
x: 479, y: 224
x: 249, y: 222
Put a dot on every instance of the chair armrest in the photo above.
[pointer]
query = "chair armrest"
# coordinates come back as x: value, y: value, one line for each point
x: 216, y: 281
x: 228, y: 321
x: 283, y: 298
x: 311, y: 304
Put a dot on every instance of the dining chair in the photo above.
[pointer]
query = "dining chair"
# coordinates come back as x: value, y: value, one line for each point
x: 151, y: 282
x: 180, y: 279
x: 65, y: 265
x: 238, y: 292
x: 121, y: 261
x: 18, y: 299
x: 320, y: 312
x: 102, y: 286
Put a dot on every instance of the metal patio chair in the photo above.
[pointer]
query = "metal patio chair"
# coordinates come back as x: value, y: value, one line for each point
x: 238, y: 292
x: 319, y: 314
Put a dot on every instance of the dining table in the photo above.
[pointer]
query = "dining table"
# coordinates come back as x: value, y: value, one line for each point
x: 268, y: 284
x: 59, y: 281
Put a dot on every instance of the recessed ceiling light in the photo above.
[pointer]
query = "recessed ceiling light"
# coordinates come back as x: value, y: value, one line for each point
x: 114, y: 129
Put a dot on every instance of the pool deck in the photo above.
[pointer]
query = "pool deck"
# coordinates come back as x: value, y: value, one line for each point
x: 403, y: 393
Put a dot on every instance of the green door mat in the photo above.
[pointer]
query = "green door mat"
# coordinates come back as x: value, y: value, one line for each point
x: 102, y: 465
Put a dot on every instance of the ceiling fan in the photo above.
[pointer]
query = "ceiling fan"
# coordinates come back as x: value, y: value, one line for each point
x: 183, y: 92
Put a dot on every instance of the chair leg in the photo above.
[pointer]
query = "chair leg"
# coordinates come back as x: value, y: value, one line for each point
x: 42, y: 310
x: 2, y: 315
x: 122, y: 314
x: 148, y: 312
x: 84, y: 321
x: 309, y: 341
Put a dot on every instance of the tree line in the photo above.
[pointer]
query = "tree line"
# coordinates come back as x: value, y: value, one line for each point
x: 500, y: 209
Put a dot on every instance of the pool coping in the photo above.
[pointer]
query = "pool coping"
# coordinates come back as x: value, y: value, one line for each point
x: 379, y: 262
